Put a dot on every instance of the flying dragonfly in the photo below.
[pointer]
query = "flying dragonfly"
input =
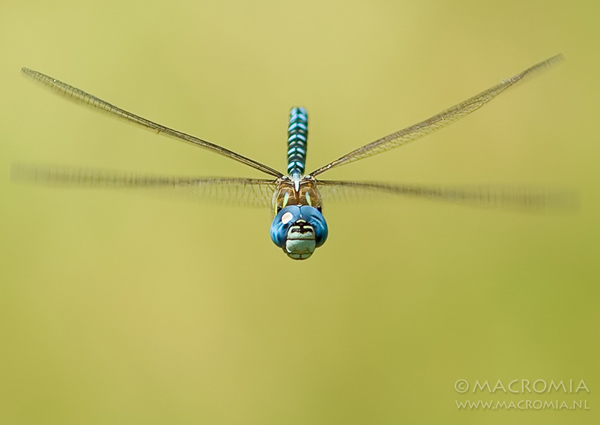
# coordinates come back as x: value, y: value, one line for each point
x: 296, y: 198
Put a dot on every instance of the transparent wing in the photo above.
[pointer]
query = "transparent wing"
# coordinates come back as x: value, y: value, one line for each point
x: 100, y: 105
x: 235, y: 191
x: 507, y: 197
x: 436, y: 122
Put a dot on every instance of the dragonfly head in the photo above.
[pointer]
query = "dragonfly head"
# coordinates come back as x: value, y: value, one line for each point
x: 299, y: 229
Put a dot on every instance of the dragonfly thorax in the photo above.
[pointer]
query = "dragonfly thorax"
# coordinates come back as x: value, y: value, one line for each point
x: 296, y: 191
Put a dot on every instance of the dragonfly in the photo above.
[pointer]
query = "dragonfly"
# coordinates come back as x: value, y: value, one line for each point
x: 296, y: 197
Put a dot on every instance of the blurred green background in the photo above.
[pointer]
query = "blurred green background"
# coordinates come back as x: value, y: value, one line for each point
x: 124, y: 308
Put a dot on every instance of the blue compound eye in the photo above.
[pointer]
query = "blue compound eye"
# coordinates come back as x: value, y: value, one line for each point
x: 315, y: 218
x: 281, y: 224
x: 299, y: 230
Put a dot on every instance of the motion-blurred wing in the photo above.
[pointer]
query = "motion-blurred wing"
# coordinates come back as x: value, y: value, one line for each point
x: 436, y: 122
x: 78, y: 95
x: 235, y: 191
x: 507, y: 197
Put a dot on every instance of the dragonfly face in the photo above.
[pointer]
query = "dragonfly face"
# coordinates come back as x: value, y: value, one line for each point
x: 299, y: 230
x: 299, y: 226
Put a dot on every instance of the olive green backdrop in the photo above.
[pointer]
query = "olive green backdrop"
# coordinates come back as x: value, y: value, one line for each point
x: 131, y: 308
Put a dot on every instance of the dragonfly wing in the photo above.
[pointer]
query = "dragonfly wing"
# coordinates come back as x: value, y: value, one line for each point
x: 436, y: 122
x: 506, y: 197
x: 78, y: 95
x: 235, y: 191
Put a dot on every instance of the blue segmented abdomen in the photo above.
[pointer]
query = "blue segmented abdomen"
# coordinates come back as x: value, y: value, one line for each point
x: 297, y: 137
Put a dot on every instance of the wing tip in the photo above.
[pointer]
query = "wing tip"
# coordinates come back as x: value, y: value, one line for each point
x: 22, y: 173
x: 545, y: 64
x: 29, y: 72
x: 554, y: 60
